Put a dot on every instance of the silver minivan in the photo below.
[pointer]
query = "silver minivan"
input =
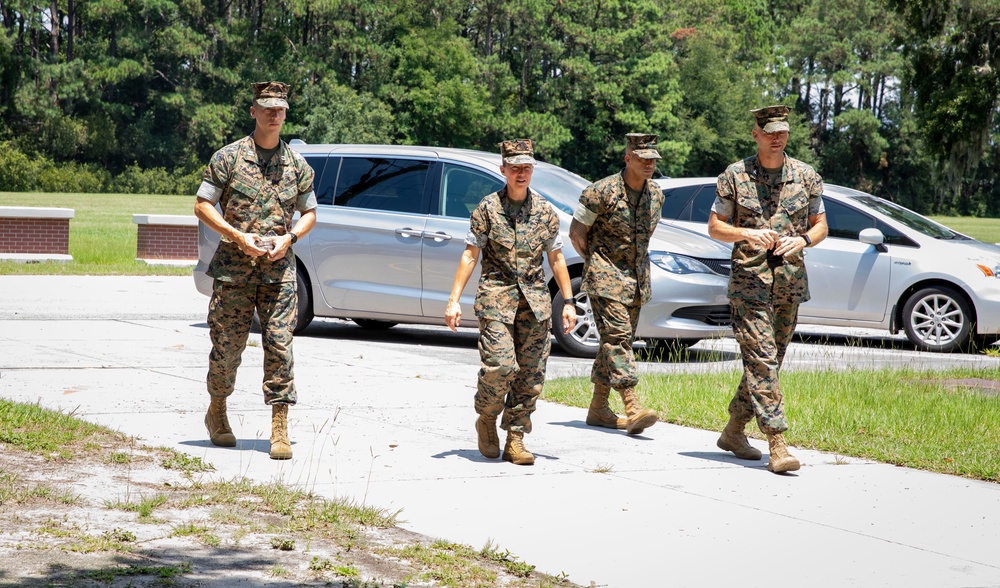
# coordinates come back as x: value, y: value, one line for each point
x: 391, y: 227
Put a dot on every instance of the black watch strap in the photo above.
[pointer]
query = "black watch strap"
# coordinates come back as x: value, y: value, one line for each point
x: 295, y: 238
x: 804, y: 236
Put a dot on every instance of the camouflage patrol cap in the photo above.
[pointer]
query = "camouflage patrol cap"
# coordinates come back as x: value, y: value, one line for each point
x: 270, y: 94
x: 772, y: 119
x: 517, y: 152
x: 642, y: 145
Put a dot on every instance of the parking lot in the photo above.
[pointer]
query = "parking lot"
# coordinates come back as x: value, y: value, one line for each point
x: 385, y: 418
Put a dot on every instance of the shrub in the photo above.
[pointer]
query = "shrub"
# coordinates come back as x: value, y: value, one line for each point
x: 73, y: 177
x: 135, y: 180
x: 18, y: 171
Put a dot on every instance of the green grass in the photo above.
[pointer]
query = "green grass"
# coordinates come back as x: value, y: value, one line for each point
x: 902, y: 417
x: 982, y: 229
x: 53, y: 434
x: 102, y: 236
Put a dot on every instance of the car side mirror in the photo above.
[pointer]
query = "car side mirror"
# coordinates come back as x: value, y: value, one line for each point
x: 873, y: 237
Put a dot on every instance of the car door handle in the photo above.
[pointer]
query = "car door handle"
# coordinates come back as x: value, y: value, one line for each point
x: 408, y: 232
x: 438, y: 237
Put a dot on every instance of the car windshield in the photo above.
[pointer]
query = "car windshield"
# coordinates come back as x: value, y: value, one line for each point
x: 909, y: 218
x: 560, y: 187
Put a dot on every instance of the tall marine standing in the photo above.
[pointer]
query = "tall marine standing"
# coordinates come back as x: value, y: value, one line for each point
x: 770, y: 206
x: 259, y: 183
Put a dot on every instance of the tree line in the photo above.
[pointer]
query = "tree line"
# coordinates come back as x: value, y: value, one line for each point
x: 896, y: 97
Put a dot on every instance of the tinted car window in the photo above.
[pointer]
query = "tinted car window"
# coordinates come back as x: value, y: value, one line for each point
x: 909, y: 218
x: 676, y: 202
x: 326, y: 176
x: 701, y: 206
x: 395, y: 185
x: 845, y: 222
x: 894, y: 237
x: 462, y: 189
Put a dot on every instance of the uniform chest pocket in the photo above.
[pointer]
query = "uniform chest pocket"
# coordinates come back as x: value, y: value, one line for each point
x: 621, y: 221
x: 795, y: 202
x: 503, y: 235
x: 535, y: 237
x: 288, y: 193
x: 748, y: 197
x: 245, y: 187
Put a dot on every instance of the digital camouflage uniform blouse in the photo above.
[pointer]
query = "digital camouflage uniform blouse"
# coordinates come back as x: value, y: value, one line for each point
x: 256, y: 201
x: 618, y: 239
x: 783, y: 204
x: 512, y: 248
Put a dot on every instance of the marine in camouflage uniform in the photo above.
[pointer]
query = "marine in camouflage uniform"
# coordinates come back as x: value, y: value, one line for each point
x: 774, y: 214
x: 258, y: 189
x: 511, y: 228
x: 612, y: 227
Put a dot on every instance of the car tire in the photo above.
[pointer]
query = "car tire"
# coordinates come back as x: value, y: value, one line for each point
x: 374, y: 324
x: 938, y: 319
x: 304, y: 310
x: 583, y: 340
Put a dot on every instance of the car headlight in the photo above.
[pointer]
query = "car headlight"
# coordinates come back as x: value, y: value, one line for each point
x: 678, y: 264
x: 990, y: 269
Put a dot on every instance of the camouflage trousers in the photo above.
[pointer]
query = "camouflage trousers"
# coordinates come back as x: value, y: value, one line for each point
x: 615, y: 362
x: 763, y: 331
x: 230, y: 314
x: 513, y: 367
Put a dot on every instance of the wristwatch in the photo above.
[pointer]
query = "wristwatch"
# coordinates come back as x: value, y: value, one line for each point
x: 295, y: 238
x: 804, y: 236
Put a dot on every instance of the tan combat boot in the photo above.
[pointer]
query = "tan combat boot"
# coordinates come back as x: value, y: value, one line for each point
x: 781, y: 460
x: 639, y: 418
x: 217, y: 423
x: 599, y: 414
x: 514, y: 450
x: 489, y: 443
x: 281, y: 447
x: 733, y: 439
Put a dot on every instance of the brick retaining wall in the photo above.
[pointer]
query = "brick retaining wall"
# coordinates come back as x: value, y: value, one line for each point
x: 35, y: 234
x: 166, y: 237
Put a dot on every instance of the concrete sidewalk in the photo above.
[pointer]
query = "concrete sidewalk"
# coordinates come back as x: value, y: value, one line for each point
x: 389, y: 424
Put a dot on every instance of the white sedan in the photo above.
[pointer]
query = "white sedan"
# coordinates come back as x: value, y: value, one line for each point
x: 883, y: 266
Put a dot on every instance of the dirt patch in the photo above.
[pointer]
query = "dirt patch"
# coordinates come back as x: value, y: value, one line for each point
x: 86, y: 522
x: 979, y: 385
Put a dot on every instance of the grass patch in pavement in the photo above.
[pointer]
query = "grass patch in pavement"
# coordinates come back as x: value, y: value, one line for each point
x: 294, y: 534
x: 102, y: 236
x: 930, y: 420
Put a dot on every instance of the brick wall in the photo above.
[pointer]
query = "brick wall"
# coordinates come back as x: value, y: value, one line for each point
x: 35, y: 231
x: 163, y: 236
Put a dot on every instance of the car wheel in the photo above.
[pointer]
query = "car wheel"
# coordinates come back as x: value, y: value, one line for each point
x: 937, y: 319
x: 373, y: 324
x: 584, y: 339
x: 305, y: 309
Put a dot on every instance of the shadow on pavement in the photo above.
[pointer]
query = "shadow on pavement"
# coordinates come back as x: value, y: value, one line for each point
x: 258, y: 445
x: 724, y: 457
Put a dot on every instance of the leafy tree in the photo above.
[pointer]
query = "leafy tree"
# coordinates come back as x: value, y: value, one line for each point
x: 955, y: 51
x: 338, y: 114
x: 437, y: 90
